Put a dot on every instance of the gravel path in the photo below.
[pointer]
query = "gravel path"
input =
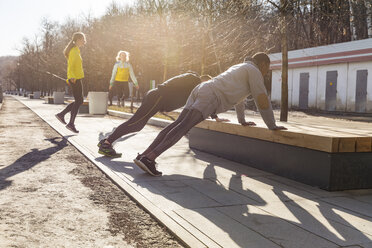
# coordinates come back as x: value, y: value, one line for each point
x: 52, y: 196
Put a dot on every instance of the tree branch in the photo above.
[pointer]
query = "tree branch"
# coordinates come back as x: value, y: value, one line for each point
x: 275, y: 5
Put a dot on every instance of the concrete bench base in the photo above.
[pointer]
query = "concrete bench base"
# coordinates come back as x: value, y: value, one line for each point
x: 84, y: 108
x: 58, y: 97
x: 49, y: 100
x: 329, y: 171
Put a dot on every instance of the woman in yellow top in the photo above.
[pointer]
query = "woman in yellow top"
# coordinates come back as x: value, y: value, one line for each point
x: 75, y: 74
x: 120, y: 76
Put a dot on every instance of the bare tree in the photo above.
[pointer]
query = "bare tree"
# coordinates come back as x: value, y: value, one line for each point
x: 167, y: 37
x: 283, y: 10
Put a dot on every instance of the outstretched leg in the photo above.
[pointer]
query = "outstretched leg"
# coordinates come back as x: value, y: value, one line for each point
x: 167, y: 138
x: 159, y: 138
x: 151, y: 104
x: 192, y: 118
x: 149, y: 107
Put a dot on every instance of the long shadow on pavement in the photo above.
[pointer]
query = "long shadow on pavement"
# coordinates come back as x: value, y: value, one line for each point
x: 29, y: 160
x: 282, y: 222
x: 322, y: 221
x: 288, y: 225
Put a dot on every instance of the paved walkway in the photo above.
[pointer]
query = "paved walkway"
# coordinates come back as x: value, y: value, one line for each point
x: 211, y: 202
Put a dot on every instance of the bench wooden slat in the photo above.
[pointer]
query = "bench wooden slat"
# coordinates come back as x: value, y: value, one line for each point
x: 364, y: 144
x: 323, y: 140
x: 347, y: 145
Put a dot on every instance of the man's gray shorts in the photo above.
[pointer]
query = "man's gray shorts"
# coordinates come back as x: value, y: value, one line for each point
x: 203, y: 99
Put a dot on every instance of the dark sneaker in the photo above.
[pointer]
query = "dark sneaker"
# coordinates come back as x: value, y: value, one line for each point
x: 107, y: 150
x: 138, y: 156
x: 72, y: 128
x: 61, y: 118
x: 101, y: 142
x: 148, y: 166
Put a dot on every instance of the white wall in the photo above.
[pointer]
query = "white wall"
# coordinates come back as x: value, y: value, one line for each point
x: 353, y: 68
x: 294, y: 86
x: 346, y: 85
x: 276, y: 86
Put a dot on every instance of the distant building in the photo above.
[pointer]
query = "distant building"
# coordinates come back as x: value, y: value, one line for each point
x: 336, y: 77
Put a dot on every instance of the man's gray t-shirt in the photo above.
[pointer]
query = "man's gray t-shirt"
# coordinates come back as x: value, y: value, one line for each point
x: 233, y: 86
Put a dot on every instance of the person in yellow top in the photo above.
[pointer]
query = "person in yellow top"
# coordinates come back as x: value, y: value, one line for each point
x: 120, y: 76
x: 75, y: 74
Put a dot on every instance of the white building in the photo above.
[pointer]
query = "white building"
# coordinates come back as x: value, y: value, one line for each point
x: 336, y: 77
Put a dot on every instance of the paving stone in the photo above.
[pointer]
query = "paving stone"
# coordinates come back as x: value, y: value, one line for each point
x: 172, y: 195
x: 316, y: 223
x: 226, y: 231
x: 274, y: 228
x: 217, y: 192
x: 365, y: 245
x: 307, y: 188
x: 337, y: 214
x: 364, y: 198
x: 351, y: 204
x: 264, y: 190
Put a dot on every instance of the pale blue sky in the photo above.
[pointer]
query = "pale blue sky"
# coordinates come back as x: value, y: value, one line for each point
x: 22, y: 18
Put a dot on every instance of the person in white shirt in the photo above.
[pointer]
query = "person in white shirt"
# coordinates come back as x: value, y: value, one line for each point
x: 120, y: 76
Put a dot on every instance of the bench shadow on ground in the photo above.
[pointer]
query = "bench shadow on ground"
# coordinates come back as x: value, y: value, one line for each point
x: 30, y: 159
x: 333, y: 233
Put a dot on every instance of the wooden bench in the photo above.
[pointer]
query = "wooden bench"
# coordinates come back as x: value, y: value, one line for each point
x: 331, y: 158
x: 84, y: 108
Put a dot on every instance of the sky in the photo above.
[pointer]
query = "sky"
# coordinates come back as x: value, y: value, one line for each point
x: 22, y: 18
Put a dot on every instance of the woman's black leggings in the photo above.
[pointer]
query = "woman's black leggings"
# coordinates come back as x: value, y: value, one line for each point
x: 121, y: 89
x: 151, y: 104
x: 77, y: 91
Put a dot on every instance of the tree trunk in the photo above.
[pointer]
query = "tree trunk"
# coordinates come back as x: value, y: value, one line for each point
x: 209, y: 30
x: 352, y: 21
x: 368, y: 4
x: 204, y: 53
x: 165, y: 70
x: 284, y: 98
